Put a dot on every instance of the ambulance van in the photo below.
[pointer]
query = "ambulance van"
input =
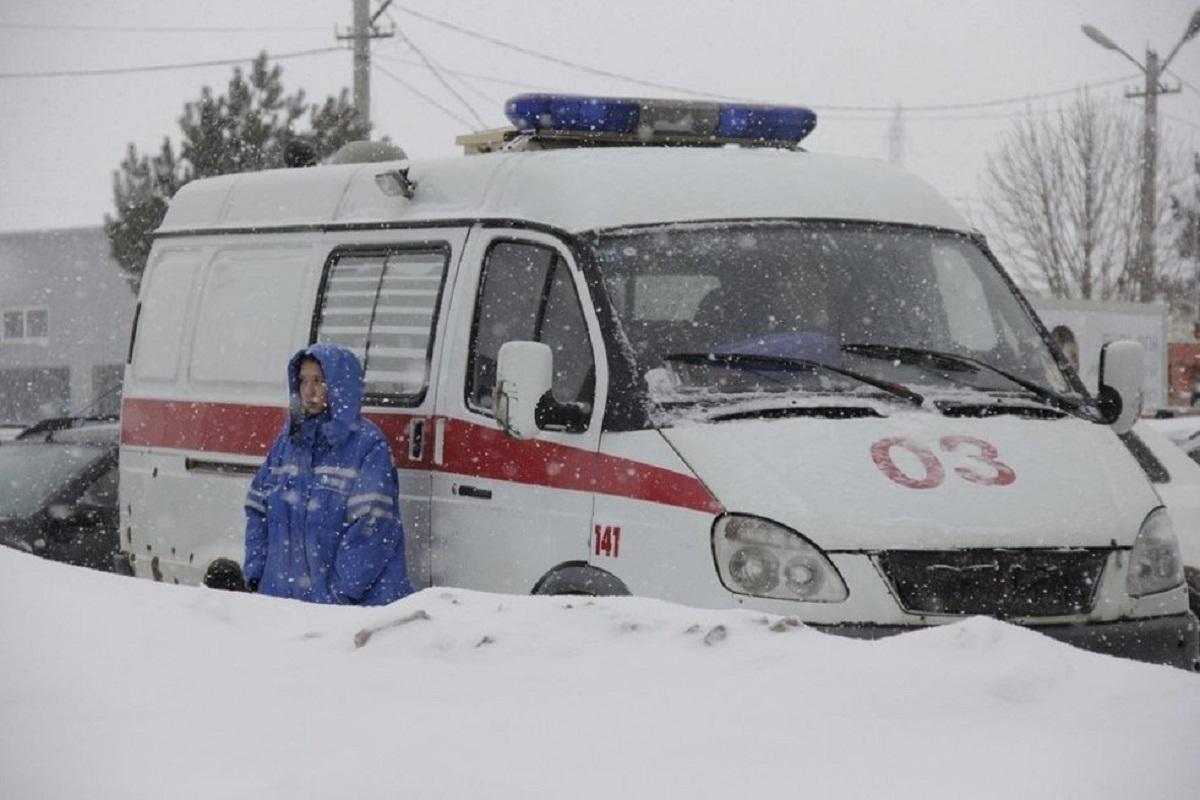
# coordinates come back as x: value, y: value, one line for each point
x: 656, y: 348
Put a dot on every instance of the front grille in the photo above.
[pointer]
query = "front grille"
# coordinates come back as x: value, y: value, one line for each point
x: 996, y: 583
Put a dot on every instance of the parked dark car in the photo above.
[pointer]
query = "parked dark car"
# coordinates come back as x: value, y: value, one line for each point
x: 58, y: 491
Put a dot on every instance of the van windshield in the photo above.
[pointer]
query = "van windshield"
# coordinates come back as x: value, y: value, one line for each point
x: 910, y: 307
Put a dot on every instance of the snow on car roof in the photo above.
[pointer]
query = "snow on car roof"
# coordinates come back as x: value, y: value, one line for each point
x: 571, y: 189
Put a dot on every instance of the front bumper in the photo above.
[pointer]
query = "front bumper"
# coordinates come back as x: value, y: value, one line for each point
x: 1173, y: 640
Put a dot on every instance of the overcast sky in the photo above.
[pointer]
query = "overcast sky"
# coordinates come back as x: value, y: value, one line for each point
x: 852, y: 61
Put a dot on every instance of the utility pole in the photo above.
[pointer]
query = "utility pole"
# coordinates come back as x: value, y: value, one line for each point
x: 1149, y: 172
x: 1153, y: 71
x: 361, y: 34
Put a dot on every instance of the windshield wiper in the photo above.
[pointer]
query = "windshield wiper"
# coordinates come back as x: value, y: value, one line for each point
x: 750, y: 361
x: 959, y: 363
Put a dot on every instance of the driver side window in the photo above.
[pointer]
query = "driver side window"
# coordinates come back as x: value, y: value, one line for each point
x: 963, y: 298
x: 527, y: 294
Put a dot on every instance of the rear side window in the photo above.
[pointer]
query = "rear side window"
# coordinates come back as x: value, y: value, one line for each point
x: 164, y: 310
x: 251, y: 295
x: 528, y: 294
x: 382, y: 305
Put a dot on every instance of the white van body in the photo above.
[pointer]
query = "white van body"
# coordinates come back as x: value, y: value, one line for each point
x: 926, y: 510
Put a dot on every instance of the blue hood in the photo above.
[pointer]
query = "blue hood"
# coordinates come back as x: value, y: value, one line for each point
x: 343, y: 384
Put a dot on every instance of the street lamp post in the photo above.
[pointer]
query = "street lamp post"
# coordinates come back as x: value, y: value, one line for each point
x: 1152, y: 70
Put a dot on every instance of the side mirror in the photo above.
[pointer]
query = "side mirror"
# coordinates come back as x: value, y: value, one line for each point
x: 1122, y: 371
x: 524, y: 372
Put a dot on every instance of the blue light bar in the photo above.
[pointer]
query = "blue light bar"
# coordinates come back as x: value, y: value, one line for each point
x: 567, y: 113
x: 650, y: 120
x: 779, y: 123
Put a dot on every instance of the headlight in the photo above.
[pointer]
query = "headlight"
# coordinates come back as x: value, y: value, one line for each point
x: 761, y: 558
x: 1154, y: 562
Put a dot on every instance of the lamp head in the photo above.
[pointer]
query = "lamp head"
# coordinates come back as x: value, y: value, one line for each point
x: 1193, y: 25
x: 1099, y: 38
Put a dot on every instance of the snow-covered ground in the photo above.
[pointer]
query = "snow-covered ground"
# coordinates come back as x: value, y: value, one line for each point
x: 124, y: 689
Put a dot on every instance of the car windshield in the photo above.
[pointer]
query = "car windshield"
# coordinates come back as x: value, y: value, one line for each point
x: 905, y: 306
x: 32, y: 473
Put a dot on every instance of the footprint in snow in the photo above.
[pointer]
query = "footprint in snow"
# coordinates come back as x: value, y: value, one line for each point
x: 717, y: 633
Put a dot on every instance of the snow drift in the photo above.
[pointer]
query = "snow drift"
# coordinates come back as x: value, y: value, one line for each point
x: 117, y: 688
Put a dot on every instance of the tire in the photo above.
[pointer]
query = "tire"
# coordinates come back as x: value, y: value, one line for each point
x: 578, y: 578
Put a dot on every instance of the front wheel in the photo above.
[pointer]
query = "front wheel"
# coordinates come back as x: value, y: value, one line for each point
x: 580, y: 578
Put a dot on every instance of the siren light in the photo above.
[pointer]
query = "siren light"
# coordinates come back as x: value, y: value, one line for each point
x: 648, y: 119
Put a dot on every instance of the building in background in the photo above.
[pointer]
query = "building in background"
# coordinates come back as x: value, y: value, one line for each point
x: 1185, y: 374
x: 65, y: 313
x: 1095, y: 323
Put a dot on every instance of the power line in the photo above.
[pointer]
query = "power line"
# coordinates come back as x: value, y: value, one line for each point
x: 1041, y: 112
x: 555, y: 60
x: 1175, y: 75
x: 821, y: 106
x: 158, y: 28
x: 460, y: 74
x: 75, y: 73
x: 464, y: 74
x: 473, y: 89
x: 1004, y: 101
x: 491, y: 101
x: 422, y: 95
x: 441, y: 78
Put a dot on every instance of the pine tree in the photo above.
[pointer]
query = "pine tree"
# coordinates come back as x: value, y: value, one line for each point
x: 141, y: 188
x: 248, y: 128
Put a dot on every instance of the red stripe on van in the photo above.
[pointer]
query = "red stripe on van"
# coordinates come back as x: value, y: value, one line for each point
x: 211, y: 427
x: 469, y: 449
x: 484, y: 451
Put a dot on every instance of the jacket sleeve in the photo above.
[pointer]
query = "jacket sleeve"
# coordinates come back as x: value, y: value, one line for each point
x: 373, y: 536
x: 256, y: 525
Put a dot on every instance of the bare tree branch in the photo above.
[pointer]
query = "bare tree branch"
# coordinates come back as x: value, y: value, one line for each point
x: 1063, y: 192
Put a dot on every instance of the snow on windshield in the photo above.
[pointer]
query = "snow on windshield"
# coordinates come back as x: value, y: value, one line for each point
x: 857, y: 297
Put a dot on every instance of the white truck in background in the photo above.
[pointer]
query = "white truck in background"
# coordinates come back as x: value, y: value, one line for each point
x: 1094, y: 323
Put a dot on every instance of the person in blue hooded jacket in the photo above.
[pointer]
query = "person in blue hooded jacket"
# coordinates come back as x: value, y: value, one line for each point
x: 322, y: 513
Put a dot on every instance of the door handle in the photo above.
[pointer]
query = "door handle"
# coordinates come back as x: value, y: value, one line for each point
x: 474, y: 491
x: 416, y: 439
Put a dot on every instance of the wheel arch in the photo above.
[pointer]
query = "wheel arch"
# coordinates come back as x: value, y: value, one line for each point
x: 580, y: 578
